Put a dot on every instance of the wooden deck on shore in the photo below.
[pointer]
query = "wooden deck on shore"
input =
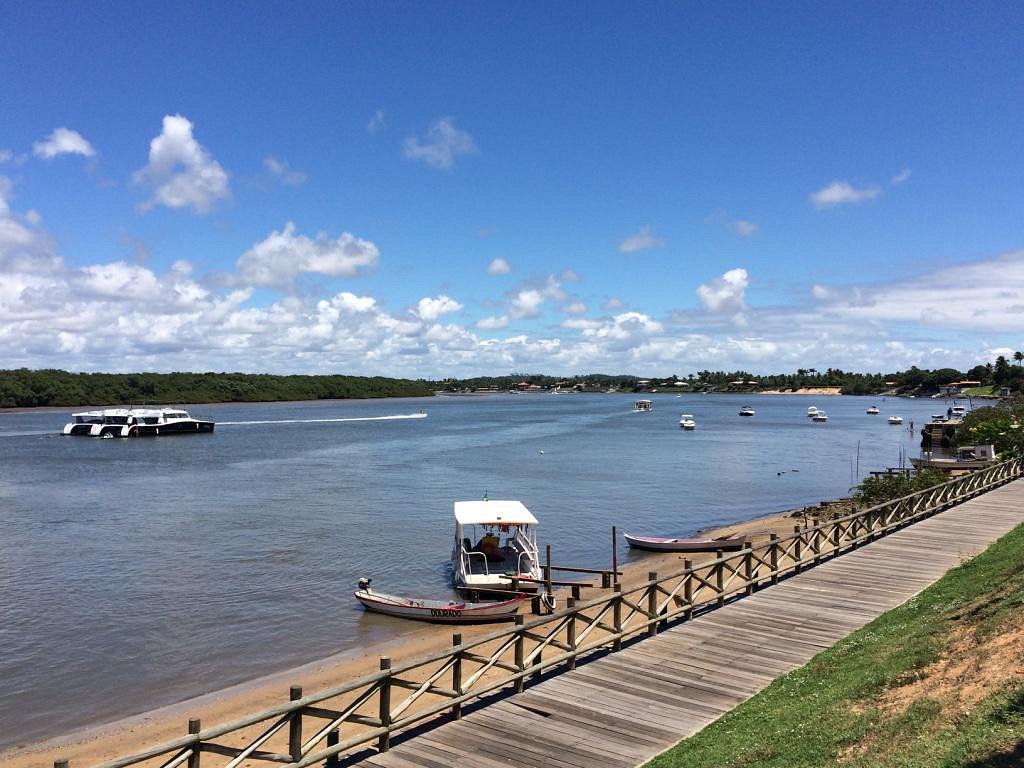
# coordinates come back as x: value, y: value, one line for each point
x: 624, y: 708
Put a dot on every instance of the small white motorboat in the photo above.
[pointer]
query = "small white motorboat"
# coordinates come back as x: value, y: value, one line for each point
x: 895, y: 419
x: 686, y: 422
x: 495, y: 542
x: 643, y: 406
x: 656, y: 544
x: 746, y: 410
x: 819, y: 416
x: 443, y: 611
x: 873, y: 410
x: 811, y: 411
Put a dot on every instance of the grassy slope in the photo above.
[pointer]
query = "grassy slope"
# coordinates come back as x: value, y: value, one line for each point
x: 902, y: 691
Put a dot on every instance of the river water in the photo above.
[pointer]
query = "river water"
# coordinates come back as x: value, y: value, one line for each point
x: 137, y: 573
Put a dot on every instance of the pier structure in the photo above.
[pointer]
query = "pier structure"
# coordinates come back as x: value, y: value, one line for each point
x: 614, y: 680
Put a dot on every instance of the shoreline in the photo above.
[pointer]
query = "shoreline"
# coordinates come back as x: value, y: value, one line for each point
x: 108, y: 740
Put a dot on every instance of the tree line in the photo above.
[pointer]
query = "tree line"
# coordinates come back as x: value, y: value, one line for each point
x: 24, y: 388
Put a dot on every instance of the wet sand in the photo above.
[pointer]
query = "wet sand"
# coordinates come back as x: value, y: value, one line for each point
x: 95, y: 744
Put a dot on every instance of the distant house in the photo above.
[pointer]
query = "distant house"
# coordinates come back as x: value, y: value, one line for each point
x: 956, y: 387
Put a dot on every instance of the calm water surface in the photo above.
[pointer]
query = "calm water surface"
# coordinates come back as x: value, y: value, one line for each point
x: 136, y: 573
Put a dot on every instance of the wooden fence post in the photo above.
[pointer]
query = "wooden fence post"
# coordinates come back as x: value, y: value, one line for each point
x: 773, y: 556
x: 652, y: 604
x: 688, y: 588
x: 836, y: 538
x: 570, y: 631
x: 193, y: 728
x: 748, y: 566
x: 295, y: 726
x: 457, y: 675
x: 615, y: 555
x: 816, y: 540
x: 384, y: 740
x: 333, y: 737
x: 617, y: 617
x: 720, y: 576
x: 520, y: 665
x: 798, y: 553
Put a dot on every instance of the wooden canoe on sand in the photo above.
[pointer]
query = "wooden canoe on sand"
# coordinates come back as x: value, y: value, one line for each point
x: 655, y: 544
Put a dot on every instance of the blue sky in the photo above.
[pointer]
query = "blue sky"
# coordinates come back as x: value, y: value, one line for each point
x: 443, y: 189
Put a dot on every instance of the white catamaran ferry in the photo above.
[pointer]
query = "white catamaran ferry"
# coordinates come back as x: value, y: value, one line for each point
x: 493, y: 541
x: 135, y: 422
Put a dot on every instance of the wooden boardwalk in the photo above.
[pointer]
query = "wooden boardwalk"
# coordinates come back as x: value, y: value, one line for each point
x: 624, y: 708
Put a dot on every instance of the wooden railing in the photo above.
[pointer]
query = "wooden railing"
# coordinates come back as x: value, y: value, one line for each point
x: 308, y: 729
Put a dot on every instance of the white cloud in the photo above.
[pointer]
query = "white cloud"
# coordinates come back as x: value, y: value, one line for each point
x: 526, y: 302
x: 725, y: 293
x: 5, y: 155
x: 643, y: 240
x: 499, y: 267
x: 900, y: 177
x: 493, y: 323
x: 843, y: 193
x: 745, y: 228
x: 443, y: 144
x: 63, y: 141
x: 576, y: 308
x: 377, y: 122
x: 612, y: 304
x: 284, y: 174
x: 278, y: 258
x: 429, y: 309
x: 182, y: 173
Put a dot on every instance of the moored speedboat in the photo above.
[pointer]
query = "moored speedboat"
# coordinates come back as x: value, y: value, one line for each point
x: 819, y: 416
x: 135, y: 422
x: 746, y: 410
x: 686, y: 422
x: 873, y: 410
x: 895, y: 419
x: 811, y: 411
x: 442, y: 611
x: 495, y: 541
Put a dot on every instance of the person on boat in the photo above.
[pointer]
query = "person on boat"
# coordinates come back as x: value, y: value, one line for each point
x: 489, y: 545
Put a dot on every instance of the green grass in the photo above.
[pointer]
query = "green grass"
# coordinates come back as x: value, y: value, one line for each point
x: 980, y: 391
x: 830, y: 711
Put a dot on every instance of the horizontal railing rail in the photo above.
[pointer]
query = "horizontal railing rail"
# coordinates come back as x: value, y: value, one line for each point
x: 307, y: 730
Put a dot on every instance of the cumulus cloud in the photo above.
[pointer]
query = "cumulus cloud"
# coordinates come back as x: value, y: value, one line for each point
x: 429, y: 309
x: 277, y: 259
x: 493, y: 323
x: 843, y: 193
x: 612, y: 304
x: 280, y: 170
x: 576, y: 308
x: 181, y: 172
x: 63, y: 141
x: 499, y: 267
x: 526, y: 301
x: 644, y: 240
x: 444, y: 142
x: 900, y: 177
x: 725, y: 293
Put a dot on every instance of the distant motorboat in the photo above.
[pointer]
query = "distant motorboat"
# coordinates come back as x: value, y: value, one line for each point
x: 873, y: 410
x: 135, y: 422
x: 643, y: 406
x: 656, y: 544
x: 820, y: 416
x: 746, y: 410
x: 811, y: 411
x: 895, y: 419
x: 442, y: 611
x: 686, y: 422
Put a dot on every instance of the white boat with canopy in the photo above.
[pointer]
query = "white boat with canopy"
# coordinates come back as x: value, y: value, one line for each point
x: 494, y: 541
x: 135, y: 422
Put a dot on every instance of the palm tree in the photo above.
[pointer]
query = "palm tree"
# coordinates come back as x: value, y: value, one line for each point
x: 1018, y: 356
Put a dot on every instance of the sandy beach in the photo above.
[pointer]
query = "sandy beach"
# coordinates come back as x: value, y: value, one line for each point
x: 107, y: 741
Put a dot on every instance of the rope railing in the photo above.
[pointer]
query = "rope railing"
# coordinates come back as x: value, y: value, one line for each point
x: 373, y: 708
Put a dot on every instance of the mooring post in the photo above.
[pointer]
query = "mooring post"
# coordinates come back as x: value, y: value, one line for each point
x: 617, y: 617
x: 194, y: 726
x: 333, y: 737
x: 457, y: 675
x: 575, y: 591
x: 615, y: 555
x: 384, y: 740
x: 519, y: 655
x: 570, y: 630
x: 295, y: 725
x: 773, y: 554
x: 652, y: 604
x: 549, y: 600
x: 688, y: 588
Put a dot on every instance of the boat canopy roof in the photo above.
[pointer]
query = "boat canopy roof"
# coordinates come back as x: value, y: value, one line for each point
x: 493, y: 512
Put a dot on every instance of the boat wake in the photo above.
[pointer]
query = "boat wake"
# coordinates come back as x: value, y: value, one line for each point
x: 395, y: 417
